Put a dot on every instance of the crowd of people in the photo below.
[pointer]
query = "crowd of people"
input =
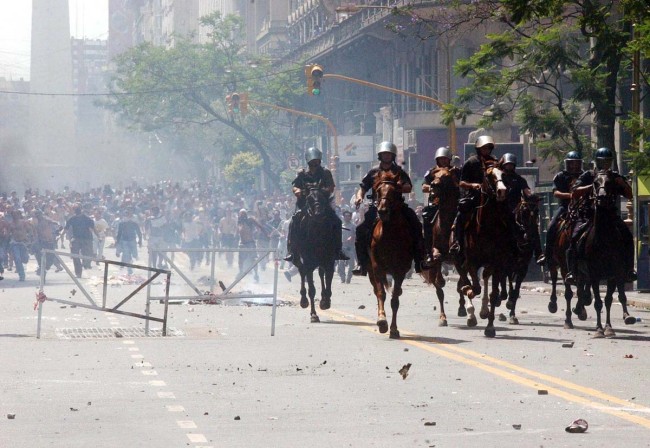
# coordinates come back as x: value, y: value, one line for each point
x: 167, y: 214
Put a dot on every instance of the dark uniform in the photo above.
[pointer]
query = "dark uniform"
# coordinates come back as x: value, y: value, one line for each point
x: 431, y: 210
x: 473, y: 171
x: 587, y: 178
x: 562, y: 182
x: 364, y: 230
x: 303, y: 180
x: 516, y: 185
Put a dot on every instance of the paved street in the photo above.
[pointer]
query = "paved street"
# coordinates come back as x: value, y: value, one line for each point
x: 222, y: 380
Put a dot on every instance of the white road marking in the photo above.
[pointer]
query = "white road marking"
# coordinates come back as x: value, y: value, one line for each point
x: 149, y: 372
x: 197, y: 438
x: 186, y: 424
x: 166, y: 395
x: 157, y: 383
x: 175, y: 408
x: 137, y: 356
x: 134, y: 349
x: 128, y: 342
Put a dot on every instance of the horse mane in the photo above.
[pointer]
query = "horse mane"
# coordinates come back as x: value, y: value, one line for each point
x: 385, y: 176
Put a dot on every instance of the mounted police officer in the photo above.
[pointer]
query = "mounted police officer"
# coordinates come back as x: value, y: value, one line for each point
x: 472, y: 175
x: 315, y: 174
x: 443, y: 159
x: 562, y: 183
x: 517, y: 189
x: 604, y: 159
x: 386, y: 153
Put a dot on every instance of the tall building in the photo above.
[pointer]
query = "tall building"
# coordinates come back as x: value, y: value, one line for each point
x: 52, y: 154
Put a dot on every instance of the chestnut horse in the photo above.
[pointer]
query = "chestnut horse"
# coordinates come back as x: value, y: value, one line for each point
x: 487, y: 245
x: 445, y: 187
x: 390, y: 248
x: 316, y: 249
x: 600, y: 251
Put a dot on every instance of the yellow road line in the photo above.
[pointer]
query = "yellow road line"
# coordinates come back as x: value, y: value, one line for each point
x: 456, y: 354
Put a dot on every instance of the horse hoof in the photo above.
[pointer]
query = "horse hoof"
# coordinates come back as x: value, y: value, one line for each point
x: 325, y: 304
x: 304, y: 303
x: 599, y: 334
x: 472, y: 322
x: 490, y: 332
x: 552, y: 307
x: 394, y: 334
x: 568, y: 325
x: 630, y: 320
x: 509, y: 305
x: 462, y: 312
x: 609, y: 332
x: 582, y: 315
x: 315, y: 319
x: 442, y: 323
x: 502, y: 317
x: 383, y: 326
x: 514, y: 320
x: 484, y: 314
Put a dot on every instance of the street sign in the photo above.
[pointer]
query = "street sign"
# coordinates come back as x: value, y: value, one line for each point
x: 293, y: 163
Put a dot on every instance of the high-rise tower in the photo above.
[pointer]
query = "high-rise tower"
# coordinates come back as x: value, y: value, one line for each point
x: 52, y: 158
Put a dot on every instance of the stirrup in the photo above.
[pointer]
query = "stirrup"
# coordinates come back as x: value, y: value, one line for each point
x: 570, y: 279
x: 359, y: 271
x: 631, y: 276
x: 541, y: 260
x: 289, y: 258
x: 455, y: 248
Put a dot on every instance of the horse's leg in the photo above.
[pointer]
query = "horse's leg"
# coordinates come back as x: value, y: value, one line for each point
x: 512, y: 300
x: 582, y: 292
x: 568, y: 295
x: 490, y: 331
x: 598, y: 306
x: 622, y: 298
x: 326, y: 276
x: 462, y: 312
x: 552, y: 304
x: 485, y: 311
x: 380, y: 293
x: 439, y: 283
x: 609, y: 298
x: 304, y: 303
x: 312, y: 296
x: 394, y: 304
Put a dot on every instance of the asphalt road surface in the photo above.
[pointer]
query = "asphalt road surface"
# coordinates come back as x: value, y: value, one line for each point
x: 221, y: 380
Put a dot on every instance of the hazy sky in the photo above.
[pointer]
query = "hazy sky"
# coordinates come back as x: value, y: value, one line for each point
x: 88, y: 18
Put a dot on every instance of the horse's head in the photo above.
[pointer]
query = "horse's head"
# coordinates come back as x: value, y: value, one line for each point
x: 443, y: 182
x: 388, y: 193
x: 605, y: 189
x: 493, y: 183
x: 317, y: 200
x: 527, y: 211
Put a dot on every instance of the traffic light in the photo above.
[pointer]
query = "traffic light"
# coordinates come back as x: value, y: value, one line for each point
x: 243, y: 103
x: 314, y: 75
x: 235, y: 102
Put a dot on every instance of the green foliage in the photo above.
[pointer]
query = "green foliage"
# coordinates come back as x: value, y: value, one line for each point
x: 184, y: 86
x: 243, y: 169
x: 553, y: 63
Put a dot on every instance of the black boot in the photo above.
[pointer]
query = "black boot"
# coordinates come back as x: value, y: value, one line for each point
x: 571, y: 266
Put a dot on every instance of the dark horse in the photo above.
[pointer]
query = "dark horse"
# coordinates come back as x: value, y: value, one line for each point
x: 558, y: 261
x: 445, y: 187
x: 600, y: 251
x: 390, y: 248
x: 487, y: 245
x: 316, y: 249
x: 527, y: 220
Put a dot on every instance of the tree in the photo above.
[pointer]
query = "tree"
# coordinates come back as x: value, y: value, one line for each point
x: 242, y: 170
x: 185, y: 86
x: 554, y: 63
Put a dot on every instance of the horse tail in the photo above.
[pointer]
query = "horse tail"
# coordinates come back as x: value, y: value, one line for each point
x: 386, y: 284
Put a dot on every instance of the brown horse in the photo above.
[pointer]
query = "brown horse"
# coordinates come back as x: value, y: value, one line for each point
x: 558, y: 261
x: 390, y: 248
x: 487, y: 245
x: 445, y: 187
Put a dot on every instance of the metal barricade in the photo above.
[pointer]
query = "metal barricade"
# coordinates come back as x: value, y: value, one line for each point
x: 225, y: 291
x: 153, y: 274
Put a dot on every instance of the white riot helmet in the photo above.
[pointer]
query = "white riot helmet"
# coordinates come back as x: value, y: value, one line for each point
x: 313, y: 154
x: 484, y: 140
x: 386, y: 147
x: 443, y: 152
